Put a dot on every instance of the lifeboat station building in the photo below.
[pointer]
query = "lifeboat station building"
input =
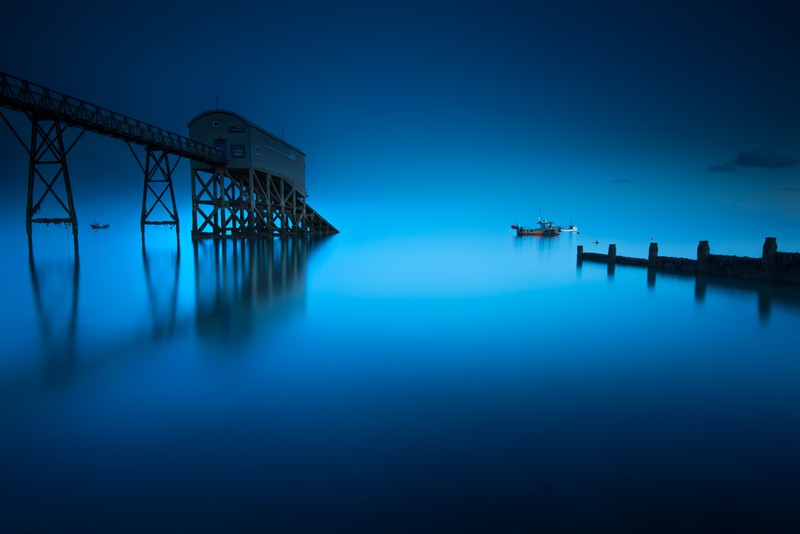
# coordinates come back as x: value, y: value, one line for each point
x: 261, y: 189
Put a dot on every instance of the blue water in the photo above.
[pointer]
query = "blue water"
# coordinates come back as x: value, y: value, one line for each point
x: 421, y: 381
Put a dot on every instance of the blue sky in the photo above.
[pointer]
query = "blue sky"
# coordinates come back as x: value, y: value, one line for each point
x: 470, y: 114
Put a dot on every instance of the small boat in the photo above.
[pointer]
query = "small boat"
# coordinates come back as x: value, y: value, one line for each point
x: 545, y: 229
x: 570, y: 228
x: 96, y: 226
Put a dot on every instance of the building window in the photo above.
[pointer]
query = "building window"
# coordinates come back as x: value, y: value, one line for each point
x: 258, y: 150
x: 280, y: 148
x: 237, y: 152
x: 215, y: 124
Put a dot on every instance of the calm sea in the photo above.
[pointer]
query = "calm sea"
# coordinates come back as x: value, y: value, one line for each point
x: 430, y: 381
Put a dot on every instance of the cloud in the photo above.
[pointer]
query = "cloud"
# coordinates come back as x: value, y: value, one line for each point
x: 764, y: 159
x: 723, y: 167
x: 760, y: 159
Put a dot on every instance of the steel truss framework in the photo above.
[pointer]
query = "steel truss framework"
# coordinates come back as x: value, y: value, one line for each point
x: 225, y: 202
x: 157, y: 183
x: 250, y: 203
x: 49, y: 178
x: 51, y: 113
x: 28, y: 97
x: 47, y: 167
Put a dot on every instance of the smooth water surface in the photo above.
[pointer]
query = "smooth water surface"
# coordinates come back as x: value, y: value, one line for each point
x: 440, y: 381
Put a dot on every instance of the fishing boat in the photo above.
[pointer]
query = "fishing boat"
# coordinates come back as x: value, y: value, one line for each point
x: 570, y: 228
x: 96, y: 226
x: 545, y: 229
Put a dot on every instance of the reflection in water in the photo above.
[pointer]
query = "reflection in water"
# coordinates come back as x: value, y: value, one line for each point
x: 769, y: 294
x: 244, y: 285
x: 556, y: 403
x: 542, y: 244
x: 55, y: 293
x: 162, y: 278
x: 241, y: 287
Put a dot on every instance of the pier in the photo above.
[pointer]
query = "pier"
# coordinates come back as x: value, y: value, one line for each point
x: 772, y: 266
x: 246, y: 182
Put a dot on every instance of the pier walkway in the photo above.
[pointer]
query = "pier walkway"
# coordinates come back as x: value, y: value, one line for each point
x: 46, y: 104
x: 50, y: 199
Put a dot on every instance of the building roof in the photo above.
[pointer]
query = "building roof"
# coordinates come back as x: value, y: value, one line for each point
x: 246, y: 122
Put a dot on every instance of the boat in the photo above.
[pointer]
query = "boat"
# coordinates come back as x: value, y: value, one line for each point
x: 545, y: 229
x: 570, y: 228
x: 96, y: 226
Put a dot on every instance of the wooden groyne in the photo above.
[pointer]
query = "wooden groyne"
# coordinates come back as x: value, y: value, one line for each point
x: 772, y: 266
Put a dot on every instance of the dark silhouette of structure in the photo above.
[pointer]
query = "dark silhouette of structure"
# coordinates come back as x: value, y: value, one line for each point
x: 773, y: 266
x: 261, y: 190
x: 229, y: 203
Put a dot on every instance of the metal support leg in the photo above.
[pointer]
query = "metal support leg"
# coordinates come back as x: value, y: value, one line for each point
x: 157, y: 183
x: 47, y: 167
x: 257, y: 205
x: 209, y: 203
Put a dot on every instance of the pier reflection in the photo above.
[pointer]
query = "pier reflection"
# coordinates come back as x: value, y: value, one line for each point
x: 54, y: 282
x: 162, y: 274
x: 244, y: 286
x: 241, y: 288
x: 769, y: 294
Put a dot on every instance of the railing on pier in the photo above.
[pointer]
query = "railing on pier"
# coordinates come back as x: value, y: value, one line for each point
x: 28, y: 97
x: 225, y: 202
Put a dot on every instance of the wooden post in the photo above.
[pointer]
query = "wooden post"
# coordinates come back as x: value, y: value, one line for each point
x: 652, y: 255
x: 769, y: 257
x: 703, y: 252
x: 770, y: 249
x: 580, y: 254
x: 612, y: 259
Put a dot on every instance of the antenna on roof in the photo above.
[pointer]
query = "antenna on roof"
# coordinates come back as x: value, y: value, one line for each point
x: 217, y: 102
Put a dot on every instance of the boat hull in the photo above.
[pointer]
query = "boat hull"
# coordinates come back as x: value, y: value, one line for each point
x: 545, y: 229
x: 546, y: 232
